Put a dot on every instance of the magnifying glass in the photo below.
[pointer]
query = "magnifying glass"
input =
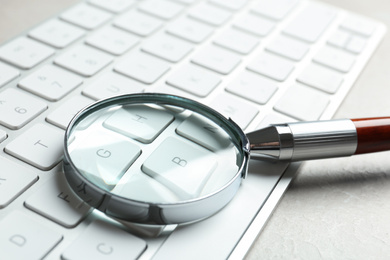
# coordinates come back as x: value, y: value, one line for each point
x: 163, y: 159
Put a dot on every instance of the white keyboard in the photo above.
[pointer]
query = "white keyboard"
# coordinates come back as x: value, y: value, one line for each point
x: 258, y: 62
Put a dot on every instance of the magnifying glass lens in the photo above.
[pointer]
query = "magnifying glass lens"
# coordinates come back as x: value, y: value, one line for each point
x: 153, y: 152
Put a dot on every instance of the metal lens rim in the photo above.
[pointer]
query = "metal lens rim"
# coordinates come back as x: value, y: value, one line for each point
x: 100, y: 198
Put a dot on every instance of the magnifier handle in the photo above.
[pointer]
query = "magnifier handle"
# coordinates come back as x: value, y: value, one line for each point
x: 323, y: 139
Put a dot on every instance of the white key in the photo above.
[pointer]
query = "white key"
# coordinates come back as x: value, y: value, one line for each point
x: 237, y: 41
x: 103, y: 157
x: 209, y: 14
x: 241, y: 112
x: 302, y: 103
x: 14, y: 180
x: 63, y: 114
x: 103, y: 241
x: 112, y: 84
x: 167, y: 47
x: 253, y: 87
x: 83, y: 60
x: 356, y: 44
x: 21, y: 237
x: 217, y: 59
x: 321, y: 77
x: 3, y: 135
x: 40, y: 146
x: 335, y: 58
x: 359, y: 24
x: 161, y: 8
x: 339, y: 38
x: 57, y: 33
x: 56, y: 201
x: 86, y: 16
x: 50, y: 82
x: 182, y: 166
x: 204, y: 132
x: 254, y: 24
x: 140, y: 186
x: 275, y: 9
x: 173, y: 91
x: 115, y: 6
x: 194, y: 80
x: 7, y: 74
x: 190, y: 30
x: 139, y: 122
x: 138, y: 23
x: 272, y: 66
x: 320, y: 17
x: 25, y: 53
x: 274, y: 119
x: 112, y: 40
x: 288, y: 47
x: 230, y: 4
x: 142, y: 67
x: 186, y: 2
x: 17, y: 108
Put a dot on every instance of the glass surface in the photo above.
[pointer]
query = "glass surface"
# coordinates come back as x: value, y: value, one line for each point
x: 153, y: 153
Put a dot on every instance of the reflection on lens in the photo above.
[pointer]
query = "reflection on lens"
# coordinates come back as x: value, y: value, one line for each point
x: 152, y: 153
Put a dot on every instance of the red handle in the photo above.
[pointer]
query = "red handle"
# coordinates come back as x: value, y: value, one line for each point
x: 373, y: 134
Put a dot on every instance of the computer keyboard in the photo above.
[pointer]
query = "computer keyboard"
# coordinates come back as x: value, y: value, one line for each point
x: 258, y: 62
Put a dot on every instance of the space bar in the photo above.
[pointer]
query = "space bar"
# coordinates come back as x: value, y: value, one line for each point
x: 216, y: 237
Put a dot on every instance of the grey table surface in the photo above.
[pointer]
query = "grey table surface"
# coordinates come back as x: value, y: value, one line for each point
x: 334, y: 208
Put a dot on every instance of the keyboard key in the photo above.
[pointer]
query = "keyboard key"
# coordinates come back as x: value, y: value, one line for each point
x: 18, y: 108
x: 302, y: 103
x: 7, y: 74
x: 112, y: 40
x: 115, y: 6
x: 14, y: 180
x: 272, y: 66
x: 112, y: 84
x: 288, y: 47
x: 204, y: 132
x: 241, y: 112
x: 57, y: 33
x: 194, y: 80
x: 359, y: 24
x: 237, y: 41
x: 167, y: 47
x: 141, y: 123
x: 356, y: 44
x: 138, y: 23
x: 335, y: 58
x: 63, y: 114
x: 190, y: 30
x: 233, y: 5
x: 209, y: 14
x: 86, y: 16
x: 275, y: 9
x: 161, y: 8
x: 142, y: 67
x: 21, y: 237
x: 51, y: 83
x: 320, y: 16
x: 103, y: 241
x: 40, y: 146
x: 181, y: 166
x: 25, y: 53
x: 339, y: 38
x: 321, y: 77
x: 253, y: 87
x: 254, y: 24
x: 104, y: 157
x: 217, y: 59
x: 57, y: 202
x: 83, y: 60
